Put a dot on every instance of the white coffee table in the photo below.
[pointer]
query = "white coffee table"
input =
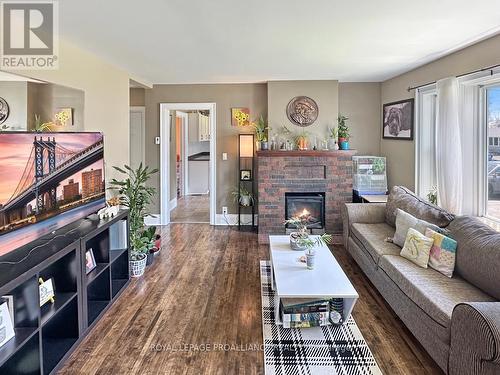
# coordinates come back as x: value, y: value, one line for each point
x: 291, y: 279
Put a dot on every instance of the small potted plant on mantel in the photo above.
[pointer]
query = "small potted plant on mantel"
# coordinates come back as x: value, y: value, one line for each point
x: 310, y: 243
x: 261, y: 134
x: 343, y: 132
x: 136, y: 196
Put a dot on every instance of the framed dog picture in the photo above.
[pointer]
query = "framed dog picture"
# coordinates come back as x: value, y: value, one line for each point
x: 245, y: 175
x: 397, y: 121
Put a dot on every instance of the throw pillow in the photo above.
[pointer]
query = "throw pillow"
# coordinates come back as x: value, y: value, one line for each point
x: 417, y: 248
x: 405, y: 221
x: 443, y: 253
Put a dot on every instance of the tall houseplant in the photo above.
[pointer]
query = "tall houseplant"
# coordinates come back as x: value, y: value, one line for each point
x: 136, y: 196
x: 344, y: 132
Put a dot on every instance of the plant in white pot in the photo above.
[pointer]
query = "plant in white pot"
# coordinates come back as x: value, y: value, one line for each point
x: 243, y: 197
x: 136, y: 196
x: 310, y: 243
x: 299, y: 223
x: 261, y: 133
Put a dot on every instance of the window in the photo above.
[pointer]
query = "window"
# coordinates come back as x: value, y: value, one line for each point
x: 493, y: 129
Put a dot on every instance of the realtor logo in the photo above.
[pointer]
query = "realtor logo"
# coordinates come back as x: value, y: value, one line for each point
x: 30, y: 37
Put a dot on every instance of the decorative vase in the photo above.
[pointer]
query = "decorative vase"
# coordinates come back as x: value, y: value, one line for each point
x: 264, y: 146
x: 310, y: 257
x: 137, y: 267
x: 245, y: 200
x: 344, y: 143
x: 150, y: 258
x: 294, y: 237
x: 332, y: 145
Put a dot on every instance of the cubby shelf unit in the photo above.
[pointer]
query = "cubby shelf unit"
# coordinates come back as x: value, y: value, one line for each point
x: 45, y: 336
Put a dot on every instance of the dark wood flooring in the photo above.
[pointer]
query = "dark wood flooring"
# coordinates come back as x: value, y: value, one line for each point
x: 204, y: 289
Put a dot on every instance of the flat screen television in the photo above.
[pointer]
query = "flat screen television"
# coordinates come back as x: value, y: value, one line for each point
x: 47, y: 180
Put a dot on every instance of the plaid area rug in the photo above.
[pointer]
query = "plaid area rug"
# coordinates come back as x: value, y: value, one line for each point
x: 329, y: 350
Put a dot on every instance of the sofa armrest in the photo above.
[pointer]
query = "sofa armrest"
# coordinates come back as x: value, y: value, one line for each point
x: 366, y: 213
x: 475, y: 339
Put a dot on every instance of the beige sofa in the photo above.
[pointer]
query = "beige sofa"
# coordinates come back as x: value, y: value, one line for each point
x: 457, y: 320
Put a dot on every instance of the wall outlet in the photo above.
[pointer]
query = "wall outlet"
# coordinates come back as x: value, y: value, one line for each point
x: 224, y: 156
x: 224, y: 210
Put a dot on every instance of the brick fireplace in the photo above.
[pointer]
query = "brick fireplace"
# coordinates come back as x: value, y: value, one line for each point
x: 319, y: 172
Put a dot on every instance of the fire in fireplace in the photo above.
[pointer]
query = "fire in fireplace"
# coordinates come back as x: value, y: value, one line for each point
x: 311, y: 205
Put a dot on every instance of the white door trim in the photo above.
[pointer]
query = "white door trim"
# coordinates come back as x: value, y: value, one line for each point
x: 142, y: 111
x: 165, y: 109
x: 184, y: 151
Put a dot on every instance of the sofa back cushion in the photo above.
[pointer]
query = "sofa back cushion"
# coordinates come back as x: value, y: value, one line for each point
x: 404, y: 199
x: 478, y: 253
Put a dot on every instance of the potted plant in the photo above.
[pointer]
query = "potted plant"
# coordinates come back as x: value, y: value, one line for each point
x: 243, y: 196
x: 261, y: 134
x: 301, y: 140
x: 300, y: 223
x: 150, y: 235
x: 432, y: 196
x: 136, y: 196
x: 310, y: 244
x: 333, y: 136
x: 343, y: 132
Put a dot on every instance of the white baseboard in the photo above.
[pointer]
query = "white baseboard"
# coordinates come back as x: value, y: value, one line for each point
x: 172, y: 204
x: 153, y: 219
x: 232, y: 219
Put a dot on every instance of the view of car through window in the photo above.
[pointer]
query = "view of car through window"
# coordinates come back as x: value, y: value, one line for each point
x: 493, y: 207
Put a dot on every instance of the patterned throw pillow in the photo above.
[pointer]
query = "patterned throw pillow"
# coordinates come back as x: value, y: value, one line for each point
x: 405, y: 221
x: 443, y: 252
x: 417, y: 248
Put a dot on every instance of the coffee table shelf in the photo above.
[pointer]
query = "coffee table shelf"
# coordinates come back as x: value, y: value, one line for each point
x: 291, y: 279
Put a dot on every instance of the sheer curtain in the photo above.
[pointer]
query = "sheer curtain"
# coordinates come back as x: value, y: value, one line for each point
x: 449, y: 146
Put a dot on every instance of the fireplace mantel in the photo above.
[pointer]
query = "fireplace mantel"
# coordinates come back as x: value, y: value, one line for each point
x: 317, y: 153
x: 281, y: 172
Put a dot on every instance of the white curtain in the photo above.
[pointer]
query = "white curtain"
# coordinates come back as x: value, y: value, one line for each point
x: 449, y: 146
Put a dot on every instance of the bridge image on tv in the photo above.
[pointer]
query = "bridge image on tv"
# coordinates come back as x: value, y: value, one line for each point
x: 45, y: 174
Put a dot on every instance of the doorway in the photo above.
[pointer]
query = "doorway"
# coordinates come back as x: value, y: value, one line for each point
x: 187, y: 166
x: 137, y: 137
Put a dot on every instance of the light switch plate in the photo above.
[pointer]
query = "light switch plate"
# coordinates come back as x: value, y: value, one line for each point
x: 157, y: 140
x: 224, y: 156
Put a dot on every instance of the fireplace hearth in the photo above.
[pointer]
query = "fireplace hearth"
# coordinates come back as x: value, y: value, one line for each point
x: 306, y: 205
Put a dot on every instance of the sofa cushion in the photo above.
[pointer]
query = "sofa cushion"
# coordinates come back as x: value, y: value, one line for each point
x: 405, y: 221
x: 417, y: 248
x: 478, y: 253
x: 433, y: 292
x: 372, y: 238
x: 405, y: 199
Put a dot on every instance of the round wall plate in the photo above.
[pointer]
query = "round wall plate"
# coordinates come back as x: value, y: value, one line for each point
x: 302, y: 111
x: 4, y: 110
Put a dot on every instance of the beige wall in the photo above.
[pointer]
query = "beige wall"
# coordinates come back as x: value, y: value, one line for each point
x: 137, y: 97
x: 401, y: 154
x: 361, y: 103
x: 106, y: 90
x: 324, y: 93
x: 226, y: 96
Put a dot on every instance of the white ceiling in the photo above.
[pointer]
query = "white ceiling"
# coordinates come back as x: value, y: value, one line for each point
x: 224, y: 41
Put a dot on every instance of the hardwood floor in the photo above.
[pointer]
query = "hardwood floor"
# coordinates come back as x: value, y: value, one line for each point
x: 204, y: 289
x: 191, y: 209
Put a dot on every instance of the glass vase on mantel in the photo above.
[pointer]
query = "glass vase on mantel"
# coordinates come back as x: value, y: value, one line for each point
x: 332, y: 145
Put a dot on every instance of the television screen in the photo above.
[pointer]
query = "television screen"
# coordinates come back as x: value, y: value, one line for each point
x: 48, y: 180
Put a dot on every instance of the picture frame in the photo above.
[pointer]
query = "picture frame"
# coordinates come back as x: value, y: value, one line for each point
x: 398, y: 120
x: 6, y: 323
x: 245, y: 175
x: 46, y: 290
x: 90, y: 263
x: 240, y: 117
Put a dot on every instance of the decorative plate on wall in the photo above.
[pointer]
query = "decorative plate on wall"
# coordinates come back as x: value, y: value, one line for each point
x: 302, y: 111
x: 4, y: 110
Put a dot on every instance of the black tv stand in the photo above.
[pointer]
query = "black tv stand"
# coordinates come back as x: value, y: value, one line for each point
x: 46, y: 336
